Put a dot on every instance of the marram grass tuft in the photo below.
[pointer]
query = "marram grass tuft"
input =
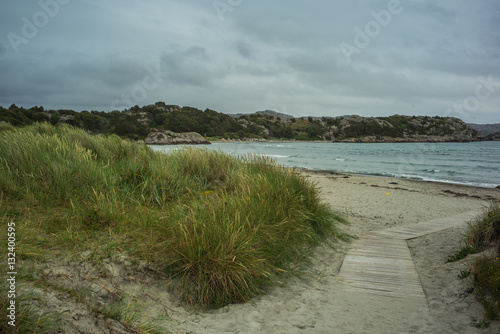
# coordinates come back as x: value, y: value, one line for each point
x: 484, y: 233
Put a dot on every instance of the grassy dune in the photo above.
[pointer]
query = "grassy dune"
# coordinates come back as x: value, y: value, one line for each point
x: 224, y: 228
x: 484, y: 234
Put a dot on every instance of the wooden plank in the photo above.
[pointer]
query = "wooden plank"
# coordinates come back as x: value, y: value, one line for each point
x: 380, y: 263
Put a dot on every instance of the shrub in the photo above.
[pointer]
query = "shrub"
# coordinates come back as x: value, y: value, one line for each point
x: 487, y: 283
x: 6, y: 127
x: 483, y: 233
x: 485, y: 230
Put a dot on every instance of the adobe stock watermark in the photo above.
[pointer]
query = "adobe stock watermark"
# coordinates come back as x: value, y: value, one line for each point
x: 141, y: 90
x: 463, y: 108
x: 223, y: 6
x: 32, y: 25
x: 11, y: 273
x: 373, y: 28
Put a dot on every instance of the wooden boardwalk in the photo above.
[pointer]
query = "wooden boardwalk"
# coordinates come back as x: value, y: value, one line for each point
x: 380, y: 264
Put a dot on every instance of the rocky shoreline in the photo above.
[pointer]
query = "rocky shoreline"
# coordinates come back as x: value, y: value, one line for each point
x: 168, y: 137
x: 367, y: 139
x: 412, y: 139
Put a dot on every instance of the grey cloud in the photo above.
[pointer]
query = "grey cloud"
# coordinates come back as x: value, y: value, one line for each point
x: 263, y: 55
x: 269, y: 31
x: 189, y: 66
x: 437, y: 8
x: 117, y: 72
x: 244, y: 49
x: 3, y: 49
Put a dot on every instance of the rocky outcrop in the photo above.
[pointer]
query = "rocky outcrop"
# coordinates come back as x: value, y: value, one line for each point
x: 167, y: 137
x: 269, y: 113
x: 274, y: 114
x: 400, y: 129
x: 493, y: 137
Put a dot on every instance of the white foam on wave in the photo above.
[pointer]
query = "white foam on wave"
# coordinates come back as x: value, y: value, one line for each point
x: 466, y: 183
x: 432, y: 179
x: 421, y: 178
x: 432, y: 170
x: 277, y: 156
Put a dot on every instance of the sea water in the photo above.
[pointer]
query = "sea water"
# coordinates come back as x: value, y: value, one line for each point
x: 476, y: 163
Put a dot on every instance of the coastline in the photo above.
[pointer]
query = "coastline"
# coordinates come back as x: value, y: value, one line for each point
x: 259, y: 140
x: 363, y: 140
x: 318, y: 303
x: 441, y: 162
x: 326, y: 172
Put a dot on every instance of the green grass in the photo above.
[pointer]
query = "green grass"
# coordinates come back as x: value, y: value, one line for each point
x: 482, y: 324
x: 6, y: 127
x: 226, y: 229
x: 487, y: 283
x: 482, y: 234
x: 28, y: 318
x: 464, y: 274
x: 461, y: 254
x: 129, y: 312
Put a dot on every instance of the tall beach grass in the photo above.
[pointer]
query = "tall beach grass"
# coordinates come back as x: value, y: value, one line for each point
x: 225, y: 228
x: 484, y: 233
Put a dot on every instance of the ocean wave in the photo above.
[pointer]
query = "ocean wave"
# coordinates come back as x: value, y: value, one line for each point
x: 431, y: 170
x: 443, y: 180
x: 419, y: 178
x: 467, y: 183
x: 277, y: 156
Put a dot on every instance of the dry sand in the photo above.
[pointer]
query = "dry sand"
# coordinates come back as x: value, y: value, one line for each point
x: 319, y: 302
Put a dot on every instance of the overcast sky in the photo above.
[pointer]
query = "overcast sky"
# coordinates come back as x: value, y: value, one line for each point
x: 316, y: 57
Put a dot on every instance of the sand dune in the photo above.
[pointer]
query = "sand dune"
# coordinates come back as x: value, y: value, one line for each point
x: 323, y: 303
x: 404, y: 284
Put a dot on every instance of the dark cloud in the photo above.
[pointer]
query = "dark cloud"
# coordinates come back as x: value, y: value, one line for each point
x: 3, y: 49
x: 187, y: 67
x: 284, y: 55
x: 244, y: 49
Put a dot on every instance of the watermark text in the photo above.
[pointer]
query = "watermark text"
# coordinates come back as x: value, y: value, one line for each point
x: 223, y: 6
x: 32, y: 25
x: 11, y: 273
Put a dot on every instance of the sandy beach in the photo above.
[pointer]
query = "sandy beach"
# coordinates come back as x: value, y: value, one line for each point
x: 319, y: 303
x: 432, y: 299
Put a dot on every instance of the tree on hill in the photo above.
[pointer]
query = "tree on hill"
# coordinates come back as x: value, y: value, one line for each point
x: 137, y: 122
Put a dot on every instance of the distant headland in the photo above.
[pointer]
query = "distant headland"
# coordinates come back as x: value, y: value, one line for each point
x: 162, y: 124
